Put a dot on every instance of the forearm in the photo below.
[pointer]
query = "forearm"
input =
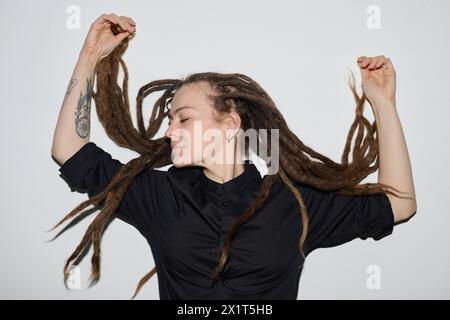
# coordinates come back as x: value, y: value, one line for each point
x: 73, y: 127
x: 394, y: 163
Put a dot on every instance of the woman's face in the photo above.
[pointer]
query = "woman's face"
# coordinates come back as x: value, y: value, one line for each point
x: 196, y: 137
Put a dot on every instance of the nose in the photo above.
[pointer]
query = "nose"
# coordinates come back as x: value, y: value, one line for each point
x: 171, y: 133
x: 168, y: 133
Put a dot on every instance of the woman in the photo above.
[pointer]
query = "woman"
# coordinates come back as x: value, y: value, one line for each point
x: 216, y: 227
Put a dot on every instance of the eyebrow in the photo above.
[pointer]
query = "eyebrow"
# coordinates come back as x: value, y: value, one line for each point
x: 179, y: 109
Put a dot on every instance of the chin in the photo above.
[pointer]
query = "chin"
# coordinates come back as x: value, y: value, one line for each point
x: 180, y: 163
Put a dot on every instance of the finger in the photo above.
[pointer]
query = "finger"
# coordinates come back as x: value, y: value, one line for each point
x: 125, y: 24
x: 120, y: 37
x: 130, y: 23
x: 129, y: 20
x: 100, y: 19
x: 131, y: 36
x: 131, y: 27
x: 122, y: 23
x: 380, y: 62
x: 360, y: 60
x: 366, y: 62
x: 388, y: 64
x: 104, y: 18
x: 364, y: 73
x: 376, y: 60
x: 372, y: 63
x: 111, y: 19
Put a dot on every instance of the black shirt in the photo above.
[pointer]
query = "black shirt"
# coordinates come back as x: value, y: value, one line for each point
x: 184, y: 216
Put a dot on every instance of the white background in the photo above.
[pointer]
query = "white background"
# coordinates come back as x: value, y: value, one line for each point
x: 300, y: 52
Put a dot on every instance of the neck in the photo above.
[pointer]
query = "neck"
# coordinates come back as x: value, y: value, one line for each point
x: 222, y: 173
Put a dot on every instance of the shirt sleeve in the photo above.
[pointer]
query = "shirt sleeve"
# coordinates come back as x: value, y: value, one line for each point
x: 335, y: 219
x: 91, y: 169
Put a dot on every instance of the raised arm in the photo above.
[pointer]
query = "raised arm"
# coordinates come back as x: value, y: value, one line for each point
x: 379, y: 85
x: 73, y: 127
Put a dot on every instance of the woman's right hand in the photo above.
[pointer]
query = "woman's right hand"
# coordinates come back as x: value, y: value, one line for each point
x: 101, y: 41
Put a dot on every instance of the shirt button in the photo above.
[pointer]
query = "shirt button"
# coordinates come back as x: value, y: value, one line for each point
x: 224, y: 281
x: 225, y: 203
x: 224, y: 188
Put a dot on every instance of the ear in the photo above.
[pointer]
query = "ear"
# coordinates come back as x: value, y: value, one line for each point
x: 232, y: 123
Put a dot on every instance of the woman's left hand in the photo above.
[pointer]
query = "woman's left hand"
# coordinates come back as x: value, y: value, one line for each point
x: 378, y: 78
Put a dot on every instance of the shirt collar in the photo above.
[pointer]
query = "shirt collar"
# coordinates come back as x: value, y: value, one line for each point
x: 250, y: 173
x: 195, y: 174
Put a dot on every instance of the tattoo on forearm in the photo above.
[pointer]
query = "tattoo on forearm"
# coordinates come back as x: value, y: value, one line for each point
x: 72, y: 84
x: 83, y: 112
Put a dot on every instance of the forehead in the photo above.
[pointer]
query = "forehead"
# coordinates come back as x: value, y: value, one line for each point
x: 193, y: 95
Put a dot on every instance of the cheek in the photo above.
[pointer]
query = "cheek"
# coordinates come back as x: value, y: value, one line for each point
x: 208, y: 134
x: 204, y: 129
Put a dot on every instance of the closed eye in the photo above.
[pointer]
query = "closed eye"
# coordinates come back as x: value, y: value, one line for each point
x: 182, y: 120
